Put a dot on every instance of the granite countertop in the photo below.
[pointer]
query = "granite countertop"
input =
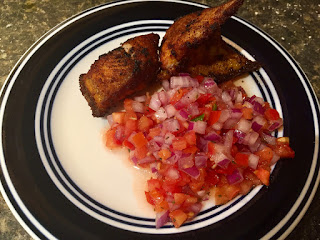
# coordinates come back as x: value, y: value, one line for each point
x: 294, y: 24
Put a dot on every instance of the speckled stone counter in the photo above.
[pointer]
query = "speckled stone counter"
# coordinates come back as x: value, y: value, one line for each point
x: 294, y: 24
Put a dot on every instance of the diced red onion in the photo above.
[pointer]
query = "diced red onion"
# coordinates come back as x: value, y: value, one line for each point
x: 217, y: 126
x: 161, y: 114
x: 244, y: 125
x: 251, y: 99
x: 140, y: 98
x: 163, y: 97
x: 226, y: 98
x: 259, y: 100
x: 153, y: 146
x: 235, y: 177
x: 110, y: 119
x: 133, y: 158
x: 256, y: 126
x: 212, y: 136
x: 251, y: 138
x: 182, y: 115
x: 225, y: 115
x: 166, y: 85
x: 155, y: 102
x: 224, y: 163
x: 193, y: 172
x: 255, y: 146
x: 268, y: 138
x: 172, y: 173
x: 147, y: 159
x: 119, y: 134
x: 258, y: 107
x: 236, y: 113
x: 191, y: 96
x: 200, y: 127
x: 172, y: 125
x: 154, y: 167
x: 202, y: 144
x: 275, y: 124
x: 195, y: 208
x: 191, y: 126
x: 238, y: 97
x: 230, y: 123
x: 239, y: 135
x: 228, y: 140
x: 183, y: 81
x: 247, y: 105
x: 162, y: 218
x: 170, y: 110
x: 253, y: 161
x: 200, y: 160
x: 159, y: 140
x: 193, y: 109
x: 185, y: 162
x: 168, y: 138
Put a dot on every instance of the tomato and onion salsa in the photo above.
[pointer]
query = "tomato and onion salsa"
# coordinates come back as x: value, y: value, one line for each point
x: 198, y: 138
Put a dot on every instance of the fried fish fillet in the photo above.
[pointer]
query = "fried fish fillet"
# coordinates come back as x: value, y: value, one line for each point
x: 120, y: 72
x: 193, y: 44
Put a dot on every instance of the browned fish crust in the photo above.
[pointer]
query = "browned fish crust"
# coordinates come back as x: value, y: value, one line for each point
x: 193, y: 44
x: 120, y: 72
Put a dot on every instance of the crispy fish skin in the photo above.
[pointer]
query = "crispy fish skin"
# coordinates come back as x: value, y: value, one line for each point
x: 120, y: 72
x: 195, y: 40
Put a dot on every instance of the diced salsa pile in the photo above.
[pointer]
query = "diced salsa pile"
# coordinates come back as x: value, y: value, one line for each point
x: 198, y: 139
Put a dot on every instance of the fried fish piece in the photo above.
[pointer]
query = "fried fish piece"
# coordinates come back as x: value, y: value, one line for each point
x: 193, y: 44
x: 120, y: 72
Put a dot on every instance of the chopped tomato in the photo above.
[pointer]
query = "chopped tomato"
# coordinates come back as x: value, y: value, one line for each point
x: 284, y: 151
x: 199, y: 78
x: 139, y: 140
x: 214, y: 117
x: 178, y: 217
x: 272, y: 114
x: 191, y: 137
x: 164, y: 154
x: 212, y: 177
x: 111, y: 142
x: 118, y: 117
x: 162, y: 206
x: 263, y: 175
x: 265, y: 154
x: 128, y: 144
x: 130, y: 127
x: 179, y: 198
x: 154, y: 132
x: 226, y: 193
x: 128, y: 105
x: 178, y: 95
x: 179, y: 143
x: 144, y: 124
x: 247, y: 113
x: 141, y: 152
x: 192, y: 149
x: 204, y: 99
x: 153, y: 184
x: 242, y: 159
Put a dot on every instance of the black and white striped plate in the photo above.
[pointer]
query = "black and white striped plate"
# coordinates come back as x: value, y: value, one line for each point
x: 62, y: 183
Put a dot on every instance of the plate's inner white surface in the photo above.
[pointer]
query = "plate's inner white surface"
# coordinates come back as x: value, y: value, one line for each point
x: 106, y: 176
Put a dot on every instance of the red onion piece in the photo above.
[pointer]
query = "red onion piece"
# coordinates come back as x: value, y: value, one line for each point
x: 235, y: 177
x: 191, y: 126
x: 239, y: 97
x: 239, y: 135
x: 161, y: 114
x: 202, y: 144
x: 256, y: 126
x: 119, y: 134
x: 212, y: 136
x: 110, y: 119
x: 236, y: 113
x: 170, y: 110
x: 225, y: 115
x: 217, y: 126
x: 200, y: 127
x: 137, y: 107
x: 140, y: 98
x: 224, y: 163
x: 168, y: 138
x: 172, y: 125
x: 163, y: 97
x: 200, y: 160
x: 251, y: 138
x: 162, y: 218
x: 274, y: 159
x: 244, y: 125
x: 147, y: 159
x: 154, y: 167
x: 193, y: 172
x: 268, y: 138
x: 166, y: 85
x: 155, y: 102
x: 193, y: 109
x: 185, y: 162
x: 258, y: 108
x: 253, y: 161
x: 230, y: 123
x: 172, y: 173
x: 275, y: 124
x: 153, y: 146
x: 228, y: 140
